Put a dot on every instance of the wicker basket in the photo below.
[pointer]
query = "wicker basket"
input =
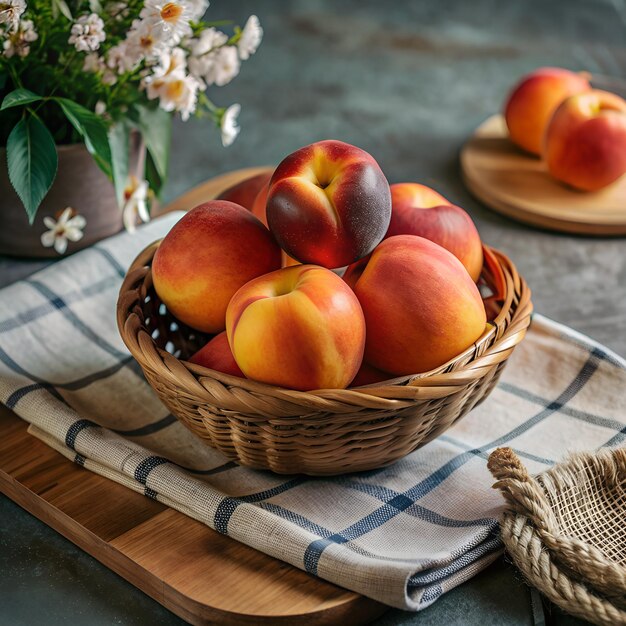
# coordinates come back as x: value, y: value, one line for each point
x: 565, y: 530
x: 319, y: 432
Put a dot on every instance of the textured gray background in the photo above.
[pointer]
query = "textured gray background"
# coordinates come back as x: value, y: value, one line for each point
x: 407, y: 81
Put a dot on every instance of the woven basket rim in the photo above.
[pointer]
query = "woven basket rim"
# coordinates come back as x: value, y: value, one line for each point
x: 384, y: 393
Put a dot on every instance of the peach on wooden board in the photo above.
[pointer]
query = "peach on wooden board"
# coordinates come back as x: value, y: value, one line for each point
x: 586, y: 140
x: 206, y: 257
x: 419, y: 210
x: 300, y: 327
x: 217, y: 355
x: 534, y: 99
x: 329, y: 203
x: 421, y: 306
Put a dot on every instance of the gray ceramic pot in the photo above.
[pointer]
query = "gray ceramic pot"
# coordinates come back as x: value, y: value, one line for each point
x: 79, y: 184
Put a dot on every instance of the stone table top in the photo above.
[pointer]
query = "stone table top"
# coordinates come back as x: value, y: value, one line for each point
x: 407, y: 82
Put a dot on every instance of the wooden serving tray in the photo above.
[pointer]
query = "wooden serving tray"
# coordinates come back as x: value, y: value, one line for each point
x: 202, y: 576
x: 518, y: 185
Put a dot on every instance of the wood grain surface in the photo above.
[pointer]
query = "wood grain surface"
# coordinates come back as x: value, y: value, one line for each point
x: 202, y: 576
x: 519, y: 186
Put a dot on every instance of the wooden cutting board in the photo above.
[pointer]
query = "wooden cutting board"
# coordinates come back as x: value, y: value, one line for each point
x: 518, y: 185
x: 202, y: 576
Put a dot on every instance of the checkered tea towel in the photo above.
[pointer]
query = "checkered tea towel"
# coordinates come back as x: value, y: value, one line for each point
x: 402, y: 535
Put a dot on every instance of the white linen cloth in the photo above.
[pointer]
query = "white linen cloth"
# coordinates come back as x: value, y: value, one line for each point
x: 402, y: 535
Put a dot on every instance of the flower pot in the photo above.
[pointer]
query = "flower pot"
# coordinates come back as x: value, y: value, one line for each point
x: 79, y: 184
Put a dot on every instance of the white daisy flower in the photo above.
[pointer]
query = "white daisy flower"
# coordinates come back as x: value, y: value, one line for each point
x: 169, y: 82
x: 87, y: 33
x: 10, y: 13
x: 222, y: 66
x: 69, y: 227
x: 209, y: 39
x: 250, y: 38
x: 119, y: 60
x: 198, y: 8
x: 172, y: 18
x: 172, y: 62
x: 176, y: 92
x: 228, y: 124
x: 135, y: 203
x: 145, y: 41
x: 19, y: 41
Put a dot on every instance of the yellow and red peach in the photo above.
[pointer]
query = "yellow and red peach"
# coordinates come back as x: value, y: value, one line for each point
x: 586, y: 140
x: 260, y: 202
x: 368, y: 375
x: 300, y: 327
x: 258, y: 210
x: 415, y: 195
x: 419, y: 210
x: 217, y: 355
x: 329, y: 204
x: 421, y: 306
x: 206, y: 257
x: 246, y: 191
x: 533, y: 101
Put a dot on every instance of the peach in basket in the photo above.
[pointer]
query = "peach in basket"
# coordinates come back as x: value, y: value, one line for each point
x: 326, y: 431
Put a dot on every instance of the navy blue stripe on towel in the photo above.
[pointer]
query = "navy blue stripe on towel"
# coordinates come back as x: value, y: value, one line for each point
x: 146, y: 466
x: 227, y: 506
x: 394, y: 507
x: 74, y: 429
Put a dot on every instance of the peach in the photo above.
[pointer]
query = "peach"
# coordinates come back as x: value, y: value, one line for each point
x: 586, y: 140
x: 246, y: 191
x: 217, y: 355
x: 329, y: 204
x: 534, y: 99
x: 260, y: 202
x: 368, y: 375
x: 421, y: 306
x: 415, y: 195
x: 300, y: 327
x: 418, y: 210
x: 258, y: 210
x: 206, y: 257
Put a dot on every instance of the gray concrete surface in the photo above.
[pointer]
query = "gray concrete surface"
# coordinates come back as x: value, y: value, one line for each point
x: 407, y: 81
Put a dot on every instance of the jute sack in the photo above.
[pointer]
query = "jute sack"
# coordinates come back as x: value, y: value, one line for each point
x: 566, y: 530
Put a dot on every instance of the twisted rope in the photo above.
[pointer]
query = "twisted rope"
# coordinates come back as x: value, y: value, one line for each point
x: 571, y: 571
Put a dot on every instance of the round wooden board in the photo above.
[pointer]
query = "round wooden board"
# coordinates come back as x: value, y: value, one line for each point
x: 518, y: 185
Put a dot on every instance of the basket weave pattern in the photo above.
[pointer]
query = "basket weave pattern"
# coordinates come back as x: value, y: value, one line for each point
x: 319, y: 432
x: 565, y: 529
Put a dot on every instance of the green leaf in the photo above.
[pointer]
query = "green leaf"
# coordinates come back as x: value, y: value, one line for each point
x: 95, y: 6
x: 119, y: 141
x: 156, y: 128
x: 3, y: 79
x: 60, y: 6
x: 94, y: 131
x: 19, y: 97
x: 152, y: 176
x: 32, y: 160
